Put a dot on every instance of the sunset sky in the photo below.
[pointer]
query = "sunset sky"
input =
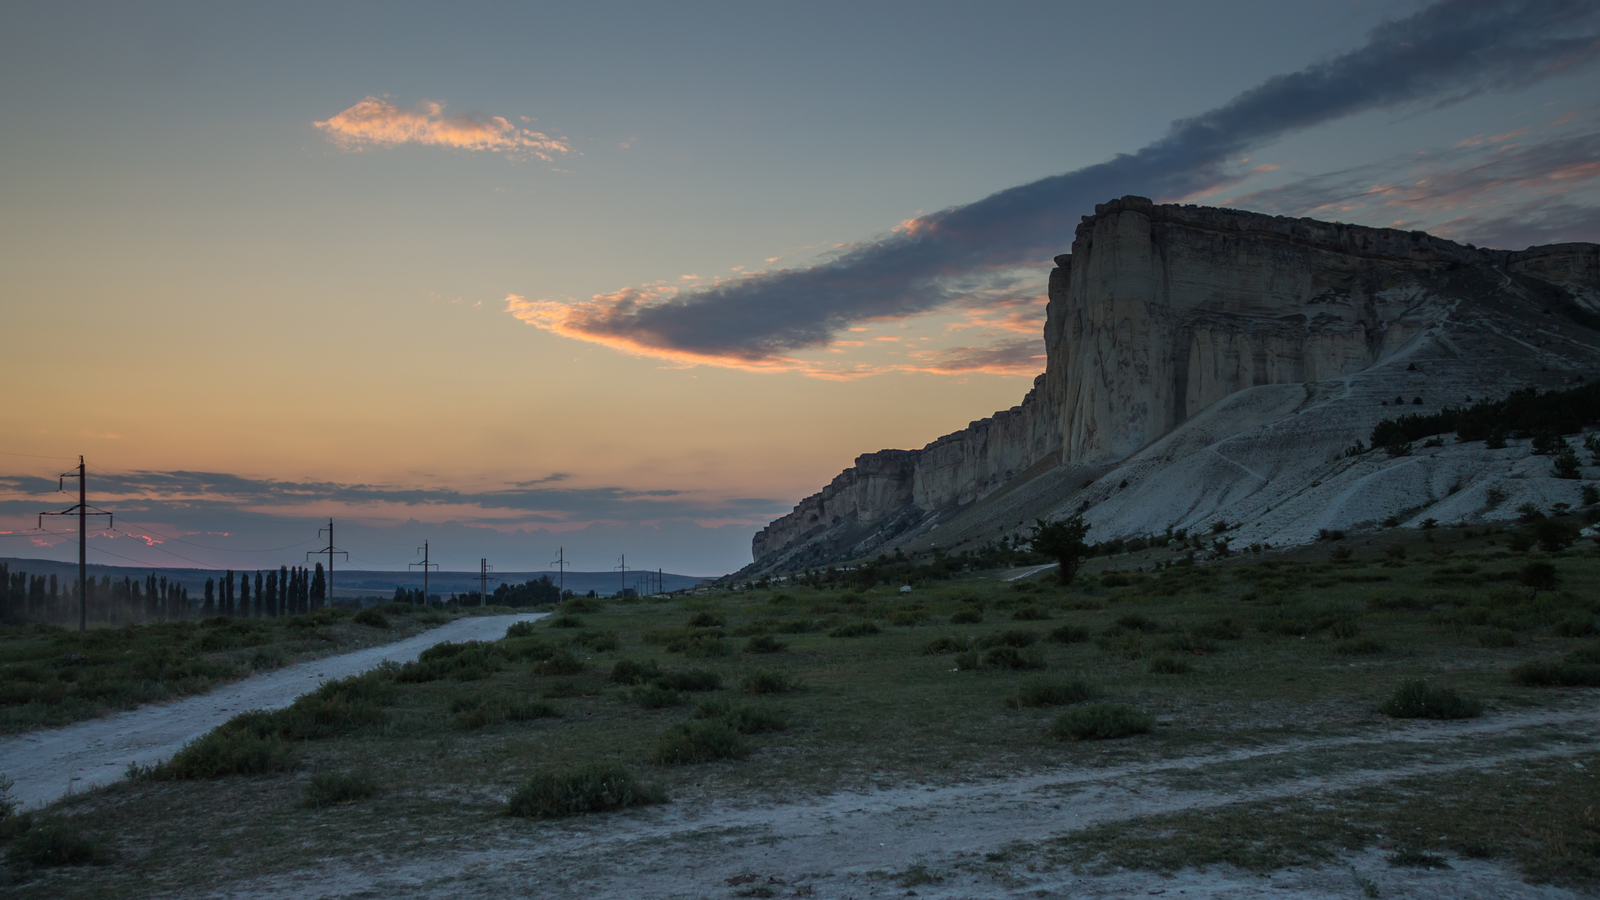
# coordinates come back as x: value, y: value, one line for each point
x: 636, y: 277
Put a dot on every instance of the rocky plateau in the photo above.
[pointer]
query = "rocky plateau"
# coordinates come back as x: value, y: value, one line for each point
x: 1209, y: 364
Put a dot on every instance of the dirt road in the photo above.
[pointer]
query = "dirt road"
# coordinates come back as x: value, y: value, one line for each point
x: 50, y: 763
x: 951, y: 841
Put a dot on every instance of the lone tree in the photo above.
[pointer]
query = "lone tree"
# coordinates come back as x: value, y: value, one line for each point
x: 1063, y: 541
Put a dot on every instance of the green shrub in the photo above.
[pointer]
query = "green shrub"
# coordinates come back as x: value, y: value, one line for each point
x: 764, y: 681
x: 1166, y: 665
x: 1417, y: 699
x: 526, y: 647
x: 968, y: 660
x: 859, y: 628
x: 744, y: 719
x: 225, y: 751
x: 1575, y: 624
x: 764, y: 643
x: 1069, y: 634
x: 702, y: 740
x: 694, y: 680
x: 564, y: 621
x: 1009, y: 638
x: 597, y: 640
x: 561, y: 662
x: 54, y: 843
x: 469, y: 661
x: 583, y: 605
x: 589, y: 788
x: 1008, y: 657
x: 1556, y: 673
x: 1359, y: 647
x: 701, y: 642
x: 942, y: 645
x: 482, y: 710
x: 1101, y: 721
x: 706, y: 620
x: 1030, y: 613
x: 796, y: 626
x: 521, y: 630
x: 908, y: 617
x: 371, y: 618
x: 626, y: 671
x: 338, y: 789
x: 1052, y: 692
x: 655, y: 696
x: 562, y: 690
x: 967, y: 616
x: 1136, y: 622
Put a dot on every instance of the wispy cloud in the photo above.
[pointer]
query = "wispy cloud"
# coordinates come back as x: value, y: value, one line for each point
x: 375, y: 122
x: 1446, y: 53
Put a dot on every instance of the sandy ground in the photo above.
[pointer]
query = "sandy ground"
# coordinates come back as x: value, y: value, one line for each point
x: 862, y: 844
x: 51, y: 763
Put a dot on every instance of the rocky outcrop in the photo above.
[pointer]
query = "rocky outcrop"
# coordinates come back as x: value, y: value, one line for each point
x: 1162, y: 311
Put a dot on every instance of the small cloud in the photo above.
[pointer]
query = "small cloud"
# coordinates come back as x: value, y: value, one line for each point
x: 1266, y: 167
x: 688, y: 277
x: 375, y: 122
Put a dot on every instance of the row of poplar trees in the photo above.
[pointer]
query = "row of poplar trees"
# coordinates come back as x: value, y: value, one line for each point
x: 285, y: 592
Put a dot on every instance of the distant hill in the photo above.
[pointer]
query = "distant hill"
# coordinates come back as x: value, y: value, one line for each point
x: 356, y: 583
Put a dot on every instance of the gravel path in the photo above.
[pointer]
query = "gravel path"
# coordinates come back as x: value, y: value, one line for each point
x: 852, y: 845
x: 51, y: 763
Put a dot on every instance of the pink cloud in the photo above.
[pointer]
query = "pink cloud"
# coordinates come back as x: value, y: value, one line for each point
x: 375, y: 122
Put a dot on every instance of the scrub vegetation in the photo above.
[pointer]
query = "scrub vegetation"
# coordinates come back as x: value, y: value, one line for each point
x: 1142, y: 658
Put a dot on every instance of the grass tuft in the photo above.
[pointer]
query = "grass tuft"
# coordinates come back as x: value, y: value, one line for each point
x: 1045, y: 691
x: 1166, y: 665
x: 701, y: 740
x: 54, y: 843
x: 626, y: 671
x: 371, y: 618
x: 1101, y: 721
x: 860, y: 628
x: 764, y: 643
x: 1417, y: 699
x: 765, y: 681
x: 589, y: 788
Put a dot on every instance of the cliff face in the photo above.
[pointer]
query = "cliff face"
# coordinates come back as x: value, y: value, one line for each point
x: 1160, y: 312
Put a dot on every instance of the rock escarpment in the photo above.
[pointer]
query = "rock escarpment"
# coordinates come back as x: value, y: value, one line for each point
x: 1160, y: 312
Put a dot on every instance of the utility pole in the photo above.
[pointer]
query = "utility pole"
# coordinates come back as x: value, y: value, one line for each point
x: 624, y: 568
x: 330, y: 550
x: 661, y: 582
x: 82, y: 509
x: 425, y: 567
x: 560, y: 562
x: 483, y: 581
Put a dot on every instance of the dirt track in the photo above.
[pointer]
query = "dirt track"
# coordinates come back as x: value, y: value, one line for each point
x: 50, y: 763
x: 848, y: 845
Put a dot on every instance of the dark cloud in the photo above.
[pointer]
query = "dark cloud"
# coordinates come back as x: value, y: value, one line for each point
x: 1443, y: 54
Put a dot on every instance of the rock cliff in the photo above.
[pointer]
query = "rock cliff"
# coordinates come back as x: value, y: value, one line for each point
x: 1160, y: 312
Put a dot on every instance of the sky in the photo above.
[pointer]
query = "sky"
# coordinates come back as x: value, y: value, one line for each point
x: 632, y: 279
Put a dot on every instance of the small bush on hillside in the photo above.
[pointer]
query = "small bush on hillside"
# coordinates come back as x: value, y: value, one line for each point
x: 764, y: 643
x: 564, y: 621
x: 561, y: 662
x: 1136, y: 622
x: 695, y: 680
x: 589, y: 788
x: 1166, y: 665
x: 1101, y: 721
x: 1052, y: 692
x: 338, y: 789
x: 626, y: 671
x: 796, y: 626
x: 563, y: 690
x: 1007, y: 657
x: 226, y: 751
x: 860, y: 628
x: 1359, y: 647
x: 468, y: 661
x: 1417, y: 699
x: 763, y: 681
x: 968, y: 660
x: 1009, y: 638
x: 371, y: 618
x: 1114, y: 579
x: 702, y: 740
x: 521, y: 630
x: 744, y: 719
x: 706, y: 620
x: 941, y: 645
x: 483, y: 710
x: 1030, y: 613
x: 1069, y: 634
x: 654, y: 696
x: 583, y: 605
x: 54, y: 843
x: 907, y: 618
x: 967, y: 616
x: 597, y: 640
x: 1497, y: 638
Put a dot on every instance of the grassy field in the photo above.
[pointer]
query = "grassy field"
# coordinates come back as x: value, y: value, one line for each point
x: 777, y: 695
x: 52, y: 676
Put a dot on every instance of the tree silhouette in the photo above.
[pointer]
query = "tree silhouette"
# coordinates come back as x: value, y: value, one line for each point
x: 1062, y: 541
